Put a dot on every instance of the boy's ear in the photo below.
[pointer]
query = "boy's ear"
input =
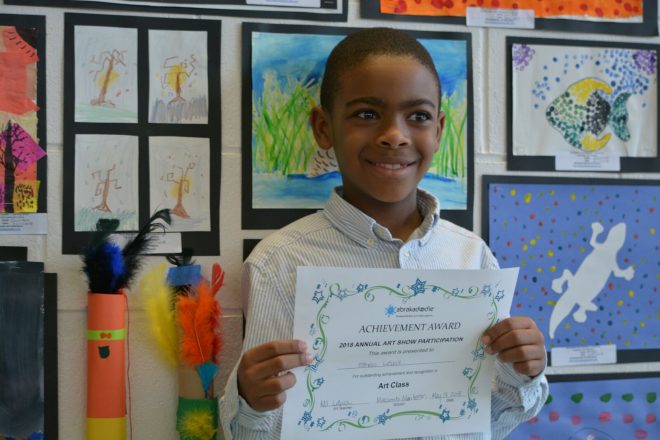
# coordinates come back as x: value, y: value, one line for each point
x: 440, y: 126
x: 320, y: 122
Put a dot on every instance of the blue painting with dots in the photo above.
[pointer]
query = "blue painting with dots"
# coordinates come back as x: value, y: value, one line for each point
x: 593, y: 99
x: 589, y: 257
x: 613, y: 407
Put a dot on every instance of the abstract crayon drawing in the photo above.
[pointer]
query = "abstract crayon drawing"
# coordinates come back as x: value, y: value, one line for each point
x: 179, y: 180
x: 20, y: 151
x: 105, y: 74
x: 596, y: 10
x: 590, y: 99
x: 603, y: 409
x: 288, y: 170
x: 106, y: 174
x: 178, y: 83
x: 588, y: 257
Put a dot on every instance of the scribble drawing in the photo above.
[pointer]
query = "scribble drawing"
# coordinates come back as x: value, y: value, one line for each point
x: 590, y: 278
x: 18, y: 152
x: 106, y: 74
x: 103, y: 188
x: 176, y: 73
x: 581, y: 114
x: 182, y: 186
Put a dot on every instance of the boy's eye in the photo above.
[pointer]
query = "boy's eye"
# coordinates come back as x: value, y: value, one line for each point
x: 420, y: 117
x: 366, y: 114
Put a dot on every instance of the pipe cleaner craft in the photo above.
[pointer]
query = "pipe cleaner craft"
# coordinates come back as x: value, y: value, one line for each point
x: 110, y: 270
x: 185, y: 321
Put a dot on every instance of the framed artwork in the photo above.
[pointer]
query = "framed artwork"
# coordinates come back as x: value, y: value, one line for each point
x: 597, y: 406
x: 28, y: 320
x: 629, y: 17
x: 285, y: 175
x: 248, y: 245
x: 585, y: 97
x: 588, y: 256
x: 22, y: 114
x: 141, y: 128
x: 317, y: 10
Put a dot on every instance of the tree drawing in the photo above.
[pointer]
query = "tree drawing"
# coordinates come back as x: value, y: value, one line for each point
x: 182, y: 186
x: 103, y: 188
x: 18, y: 151
x: 176, y: 73
x: 106, y: 74
x: 17, y: 85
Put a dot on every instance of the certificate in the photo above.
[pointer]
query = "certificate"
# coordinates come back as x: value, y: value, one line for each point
x: 396, y: 353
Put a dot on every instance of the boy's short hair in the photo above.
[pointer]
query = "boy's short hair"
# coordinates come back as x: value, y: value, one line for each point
x: 360, y: 45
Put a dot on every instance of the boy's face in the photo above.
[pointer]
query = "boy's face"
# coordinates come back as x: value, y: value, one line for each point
x: 385, y: 125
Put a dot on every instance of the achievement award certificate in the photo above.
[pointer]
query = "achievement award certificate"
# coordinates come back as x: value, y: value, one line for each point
x: 396, y: 353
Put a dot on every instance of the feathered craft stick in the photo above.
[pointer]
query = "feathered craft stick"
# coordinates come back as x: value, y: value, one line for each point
x: 109, y: 271
x: 198, y: 316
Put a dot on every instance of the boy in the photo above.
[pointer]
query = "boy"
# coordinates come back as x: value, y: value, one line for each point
x: 380, y: 111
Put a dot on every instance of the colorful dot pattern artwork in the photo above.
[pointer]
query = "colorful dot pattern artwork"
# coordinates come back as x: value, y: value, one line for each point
x: 604, y: 10
x: 613, y: 409
x: 546, y: 230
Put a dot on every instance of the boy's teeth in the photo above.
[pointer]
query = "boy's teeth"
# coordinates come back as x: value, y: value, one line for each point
x: 391, y: 166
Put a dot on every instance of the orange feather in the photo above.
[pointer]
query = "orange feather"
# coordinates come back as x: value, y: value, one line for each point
x: 198, y: 315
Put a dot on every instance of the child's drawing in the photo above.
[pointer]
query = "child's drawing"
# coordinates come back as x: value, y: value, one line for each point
x: 106, y: 74
x: 610, y: 408
x: 106, y: 181
x: 588, y: 258
x: 596, y: 10
x: 19, y: 144
x: 178, y: 82
x: 571, y: 98
x: 288, y: 170
x: 591, y: 276
x: 179, y: 180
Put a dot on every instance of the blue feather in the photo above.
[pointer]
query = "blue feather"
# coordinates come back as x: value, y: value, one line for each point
x: 207, y: 372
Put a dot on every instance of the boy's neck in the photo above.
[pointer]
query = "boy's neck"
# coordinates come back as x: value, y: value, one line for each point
x: 401, y: 219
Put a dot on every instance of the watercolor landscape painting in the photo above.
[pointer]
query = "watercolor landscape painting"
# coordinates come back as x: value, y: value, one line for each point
x: 588, y: 256
x: 287, y: 169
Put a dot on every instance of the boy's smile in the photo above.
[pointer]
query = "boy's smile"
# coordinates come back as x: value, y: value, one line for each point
x: 385, y: 125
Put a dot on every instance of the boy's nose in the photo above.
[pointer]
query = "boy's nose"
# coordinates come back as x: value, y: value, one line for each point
x: 394, y: 134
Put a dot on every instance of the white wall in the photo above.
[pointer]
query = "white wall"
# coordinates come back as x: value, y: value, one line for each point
x: 153, y: 387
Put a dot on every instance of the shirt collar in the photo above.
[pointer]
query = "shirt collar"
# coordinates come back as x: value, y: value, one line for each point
x: 366, y: 231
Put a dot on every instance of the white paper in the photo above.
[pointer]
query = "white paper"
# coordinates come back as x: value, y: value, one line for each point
x: 179, y: 180
x: 580, y: 161
x: 106, y: 181
x: 501, y: 18
x: 24, y: 224
x: 178, y: 78
x: 397, y: 353
x: 587, y: 355
x: 106, y: 74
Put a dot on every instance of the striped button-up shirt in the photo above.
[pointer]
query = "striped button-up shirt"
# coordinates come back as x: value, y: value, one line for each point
x: 343, y: 236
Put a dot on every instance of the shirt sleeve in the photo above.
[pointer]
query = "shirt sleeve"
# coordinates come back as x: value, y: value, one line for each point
x: 268, y: 317
x: 515, y: 399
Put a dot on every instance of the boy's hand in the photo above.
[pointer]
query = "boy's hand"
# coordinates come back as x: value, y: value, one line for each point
x: 263, y: 375
x: 518, y: 341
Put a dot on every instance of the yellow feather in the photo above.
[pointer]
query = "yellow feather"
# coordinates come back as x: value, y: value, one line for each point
x: 158, y: 297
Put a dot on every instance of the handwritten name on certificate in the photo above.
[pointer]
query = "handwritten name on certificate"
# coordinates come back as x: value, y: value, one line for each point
x: 396, y: 353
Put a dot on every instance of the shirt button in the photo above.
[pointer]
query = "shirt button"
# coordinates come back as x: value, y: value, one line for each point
x: 406, y: 254
x: 370, y: 242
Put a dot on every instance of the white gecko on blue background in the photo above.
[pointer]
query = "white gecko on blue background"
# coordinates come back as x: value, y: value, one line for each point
x: 590, y: 278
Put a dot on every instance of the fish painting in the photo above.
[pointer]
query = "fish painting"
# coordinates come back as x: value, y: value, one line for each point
x: 583, y: 111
